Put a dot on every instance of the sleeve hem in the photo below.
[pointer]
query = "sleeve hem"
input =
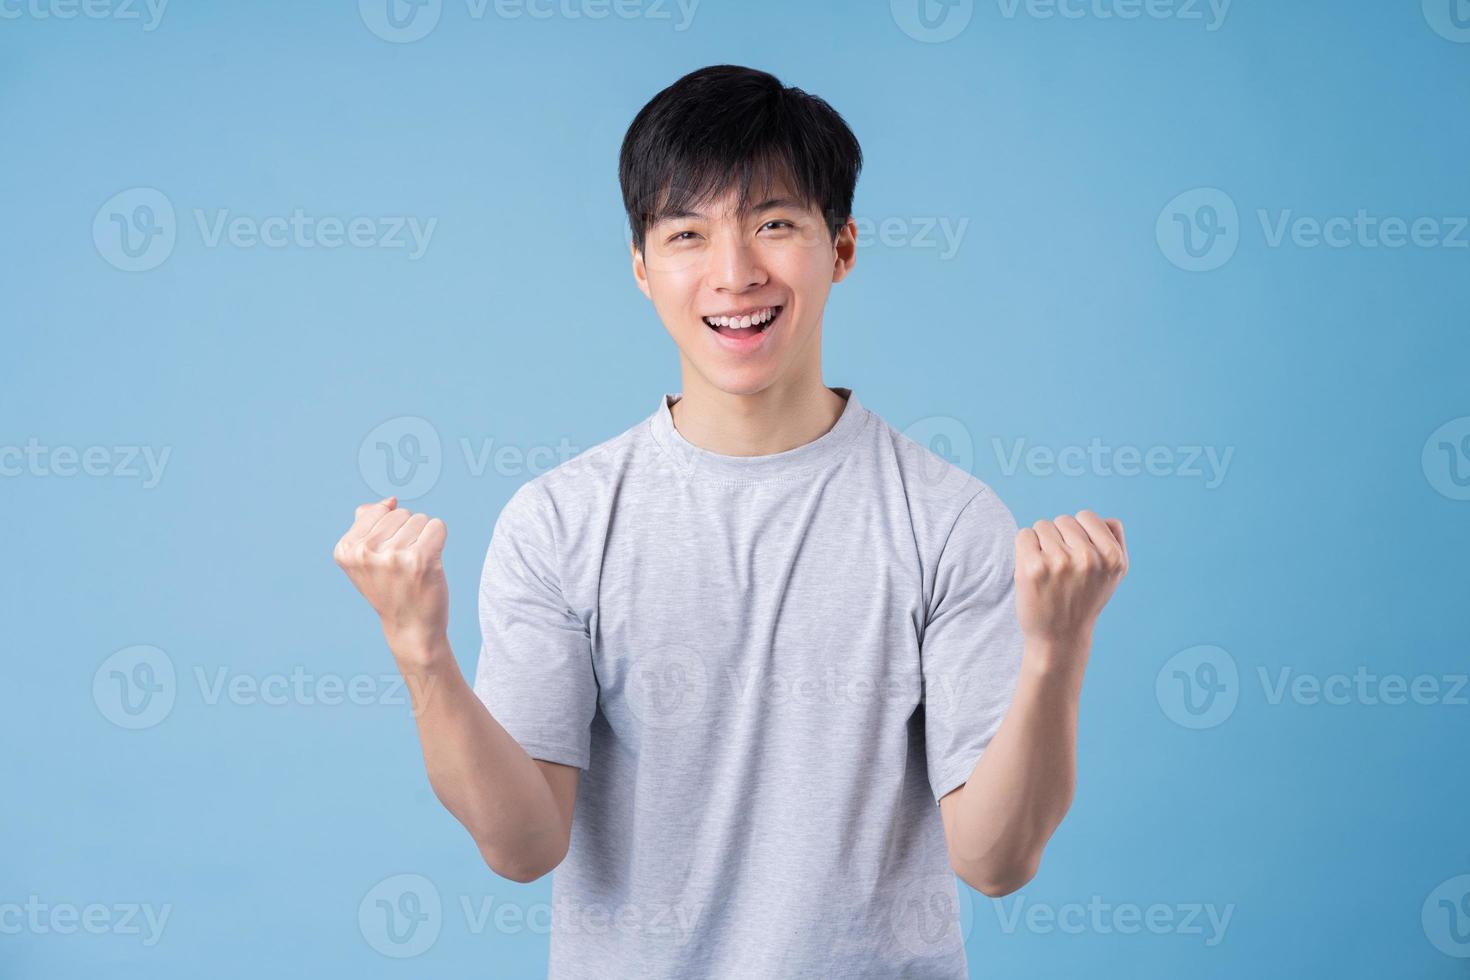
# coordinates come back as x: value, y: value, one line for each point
x: 954, y: 775
x: 564, y: 755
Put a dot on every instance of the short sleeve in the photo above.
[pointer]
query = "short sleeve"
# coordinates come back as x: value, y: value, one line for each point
x: 971, y: 647
x: 535, y: 669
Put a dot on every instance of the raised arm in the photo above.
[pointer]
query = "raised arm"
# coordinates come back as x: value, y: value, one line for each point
x: 999, y: 821
x: 517, y: 809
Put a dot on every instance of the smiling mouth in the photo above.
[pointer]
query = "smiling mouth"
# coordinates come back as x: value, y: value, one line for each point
x: 746, y: 326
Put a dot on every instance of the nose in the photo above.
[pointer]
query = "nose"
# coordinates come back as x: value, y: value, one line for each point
x: 735, y: 265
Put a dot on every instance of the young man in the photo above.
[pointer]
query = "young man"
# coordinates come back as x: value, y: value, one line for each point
x: 733, y: 656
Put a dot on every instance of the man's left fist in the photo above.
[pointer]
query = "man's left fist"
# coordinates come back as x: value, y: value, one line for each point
x: 1066, y: 571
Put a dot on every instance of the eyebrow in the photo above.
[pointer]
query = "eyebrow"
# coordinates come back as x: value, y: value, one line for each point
x: 769, y: 205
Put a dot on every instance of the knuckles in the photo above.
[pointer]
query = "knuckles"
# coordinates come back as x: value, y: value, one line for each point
x: 378, y: 566
x: 1072, y: 567
x: 1033, y: 570
x: 350, y: 556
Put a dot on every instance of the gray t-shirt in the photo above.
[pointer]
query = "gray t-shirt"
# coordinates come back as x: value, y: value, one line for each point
x: 769, y: 669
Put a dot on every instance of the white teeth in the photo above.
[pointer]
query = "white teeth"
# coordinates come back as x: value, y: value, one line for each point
x: 742, y: 322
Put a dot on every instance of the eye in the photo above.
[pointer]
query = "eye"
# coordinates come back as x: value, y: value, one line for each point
x: 680, y: 237
x: 778, y: 221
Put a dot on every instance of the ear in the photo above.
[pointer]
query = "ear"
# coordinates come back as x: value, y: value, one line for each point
x: 845, y: 247
x: 640, y: 272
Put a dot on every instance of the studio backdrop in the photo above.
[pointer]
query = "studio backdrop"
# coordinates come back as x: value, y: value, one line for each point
x: 1201, y: 265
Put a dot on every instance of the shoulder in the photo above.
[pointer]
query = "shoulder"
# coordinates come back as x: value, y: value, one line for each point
x: 936, y: 486
x: 956, y: 516
x: 579, y: 484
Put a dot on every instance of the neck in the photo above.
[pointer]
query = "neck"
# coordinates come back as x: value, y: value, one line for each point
x: 777, y: 418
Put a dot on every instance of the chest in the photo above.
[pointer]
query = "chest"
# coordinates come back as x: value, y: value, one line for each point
x: 755, y: 608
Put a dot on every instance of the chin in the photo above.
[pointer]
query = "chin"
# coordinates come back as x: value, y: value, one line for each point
x: 740, y: 382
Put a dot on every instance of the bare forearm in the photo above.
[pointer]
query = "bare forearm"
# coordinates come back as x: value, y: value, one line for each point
x: 479, y: 772
x: 1023, y: 783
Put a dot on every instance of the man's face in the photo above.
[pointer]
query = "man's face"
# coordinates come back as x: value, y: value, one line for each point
x: 775, y: 264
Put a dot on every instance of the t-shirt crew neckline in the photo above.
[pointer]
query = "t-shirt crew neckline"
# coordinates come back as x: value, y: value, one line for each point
x: 695, y: 462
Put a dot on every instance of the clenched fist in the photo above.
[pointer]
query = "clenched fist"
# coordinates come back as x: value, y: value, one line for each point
x: 1066, y: 570
x: 394, y: 557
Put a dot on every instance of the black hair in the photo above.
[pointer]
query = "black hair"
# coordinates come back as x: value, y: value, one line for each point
x: 727, y: 125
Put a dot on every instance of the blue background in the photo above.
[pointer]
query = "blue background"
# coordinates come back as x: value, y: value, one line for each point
x: 1334, y: 541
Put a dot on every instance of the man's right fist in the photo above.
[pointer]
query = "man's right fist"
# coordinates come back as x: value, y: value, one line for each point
x: 394, y: 557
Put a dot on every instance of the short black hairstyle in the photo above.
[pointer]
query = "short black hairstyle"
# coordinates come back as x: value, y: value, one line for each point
x: 727, y: 125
